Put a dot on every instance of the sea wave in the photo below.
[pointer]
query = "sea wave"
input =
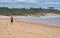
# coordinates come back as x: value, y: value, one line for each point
x: 51, y: 20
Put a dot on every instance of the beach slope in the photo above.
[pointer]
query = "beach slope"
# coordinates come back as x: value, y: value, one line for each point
x: 21, y: 29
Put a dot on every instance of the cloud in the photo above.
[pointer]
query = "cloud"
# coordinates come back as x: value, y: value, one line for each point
x: 12, y: 1
x: 5, y: 1
x: 54, y: 3
x: 51, y: 3
x: 30, y: 1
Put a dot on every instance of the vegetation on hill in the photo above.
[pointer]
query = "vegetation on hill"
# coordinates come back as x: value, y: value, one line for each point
x: 25, y: 11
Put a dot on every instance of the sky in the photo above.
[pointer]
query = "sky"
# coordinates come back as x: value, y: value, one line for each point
x: 30, y: 3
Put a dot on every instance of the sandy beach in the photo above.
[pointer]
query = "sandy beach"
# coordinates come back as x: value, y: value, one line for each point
x: 21, y: 29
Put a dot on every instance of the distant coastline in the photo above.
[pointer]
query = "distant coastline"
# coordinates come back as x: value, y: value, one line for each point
x: 50, y: 11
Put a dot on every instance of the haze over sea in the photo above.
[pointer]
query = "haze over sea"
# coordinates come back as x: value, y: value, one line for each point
x: 50, y: 20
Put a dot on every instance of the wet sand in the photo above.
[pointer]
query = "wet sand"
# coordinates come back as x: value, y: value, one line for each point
x: 21, y: 29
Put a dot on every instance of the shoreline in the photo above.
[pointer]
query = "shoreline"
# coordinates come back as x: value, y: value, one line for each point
x: 23, y: 16
x: 3, y: 17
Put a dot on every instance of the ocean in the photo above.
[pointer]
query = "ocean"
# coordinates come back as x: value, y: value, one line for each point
x: 50, y: 20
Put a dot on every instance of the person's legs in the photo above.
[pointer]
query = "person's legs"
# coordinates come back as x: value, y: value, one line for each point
x: 11, y: 21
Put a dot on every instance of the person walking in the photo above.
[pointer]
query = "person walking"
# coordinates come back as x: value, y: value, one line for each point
x: 11, y: 19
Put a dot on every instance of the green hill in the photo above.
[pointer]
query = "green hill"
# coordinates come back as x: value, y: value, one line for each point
x: 25, y: 11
